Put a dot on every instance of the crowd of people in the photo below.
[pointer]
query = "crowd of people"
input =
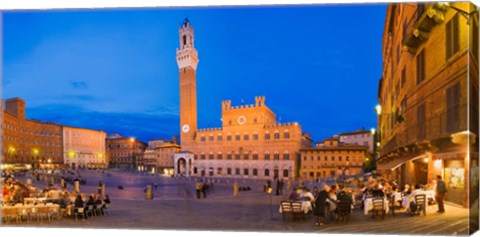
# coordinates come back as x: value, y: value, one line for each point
x: 17, y: 192
x: 325, y: 202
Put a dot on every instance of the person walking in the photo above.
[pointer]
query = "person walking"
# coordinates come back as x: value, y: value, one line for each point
x: 204, y: 189
x: 198, y: 188
x: 440, y: 194
x: 235, y: 188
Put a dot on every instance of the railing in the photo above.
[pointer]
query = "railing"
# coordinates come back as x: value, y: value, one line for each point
x: 434, y: 128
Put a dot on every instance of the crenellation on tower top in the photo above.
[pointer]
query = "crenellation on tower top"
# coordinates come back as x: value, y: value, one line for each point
x: 259, y: 101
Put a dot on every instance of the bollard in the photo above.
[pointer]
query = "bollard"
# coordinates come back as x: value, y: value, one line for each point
x: 235, y: 189
x: 62, y: 183
x: 77, y: 186
x: 148, y: 193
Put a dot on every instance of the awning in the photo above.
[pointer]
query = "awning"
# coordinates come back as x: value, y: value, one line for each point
x: 400, y: 161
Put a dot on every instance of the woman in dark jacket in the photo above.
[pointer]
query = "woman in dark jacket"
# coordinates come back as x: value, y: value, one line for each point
x: 79, y: 202
x: 320, y: 206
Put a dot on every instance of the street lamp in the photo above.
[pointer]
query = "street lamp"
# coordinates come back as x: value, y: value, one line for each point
x: 378, y: 109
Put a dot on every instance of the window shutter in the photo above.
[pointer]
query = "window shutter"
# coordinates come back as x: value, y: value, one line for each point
x: 455, y: 29
x: 448, y: 39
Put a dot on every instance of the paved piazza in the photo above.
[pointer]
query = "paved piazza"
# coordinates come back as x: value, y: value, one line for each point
x: 176, y: 207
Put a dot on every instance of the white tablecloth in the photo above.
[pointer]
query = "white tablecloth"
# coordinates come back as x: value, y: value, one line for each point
x: 398, y: 197
x: 368, y: 205
x: 430, y: 194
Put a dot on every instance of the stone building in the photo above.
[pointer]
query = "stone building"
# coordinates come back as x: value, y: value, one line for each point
x: 429, y: 78
x: 84, y: 148
x: 159, y: 157
x: 360, y: 137
x: 29, y: 142
x: 250, y: 143
x: 332, y: 158
x: 124, y: 152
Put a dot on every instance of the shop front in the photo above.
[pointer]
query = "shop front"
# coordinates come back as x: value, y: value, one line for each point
x: 453, y: 167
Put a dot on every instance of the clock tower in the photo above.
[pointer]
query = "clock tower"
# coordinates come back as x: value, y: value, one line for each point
x: 187, y: 60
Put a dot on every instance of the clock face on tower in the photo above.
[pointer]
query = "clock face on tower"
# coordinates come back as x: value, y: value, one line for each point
x: 185, y: 128
x: 241, y: 119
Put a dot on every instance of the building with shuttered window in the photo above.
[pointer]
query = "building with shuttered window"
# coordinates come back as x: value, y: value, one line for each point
x: 428, y: 96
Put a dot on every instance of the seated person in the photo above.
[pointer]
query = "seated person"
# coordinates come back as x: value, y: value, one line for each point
x: 295, y: 195
x: 344, y: 195
x: 377, y: 191
x: 411, y: 198
x: 406, y: 190
x: 306, y: 195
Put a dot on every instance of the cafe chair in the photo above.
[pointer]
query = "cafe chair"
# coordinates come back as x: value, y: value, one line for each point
x: 286, y: 208
x: 378, y: 207
x: 420, y: 203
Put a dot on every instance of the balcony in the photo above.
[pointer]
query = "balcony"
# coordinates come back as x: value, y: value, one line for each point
x: 418, y: 135
x: 417, y: 30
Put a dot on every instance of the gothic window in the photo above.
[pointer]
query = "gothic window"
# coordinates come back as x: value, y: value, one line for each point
x: 276, y: 135
x: 267, y: 156
x: 255, y: 172
x: 267, y: 172
x: 245, y: 156
x: 229, y: 137
x: 286, y: 134
x: 219, y: 138
x: 255, y: 156
x: 210, y: 138
x: 286, y: 156
x: 255, y: 136
x: 229, y: 171
x: 245, y: 171
x: 184, y: 40
x: 237, y: 156
x: 237, y: 137
x: 237, y: 171
x: 267, y: 136
x: 219, y: 156
x: 210, y: 156
x: 245, y: 136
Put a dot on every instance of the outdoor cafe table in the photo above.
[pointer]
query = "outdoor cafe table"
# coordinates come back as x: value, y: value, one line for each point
x: 428, y: 194
x: 28, y: 201
x: 306, y: 206
x: 368, y: 205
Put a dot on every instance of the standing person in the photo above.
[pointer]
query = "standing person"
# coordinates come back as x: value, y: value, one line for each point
x: 277, y: 189
x: 440, y: 195
x: 198, y: 188
x: 320, y: 201
x: 235, y: 188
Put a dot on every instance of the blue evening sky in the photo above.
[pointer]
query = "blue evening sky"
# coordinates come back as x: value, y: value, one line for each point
x: 115, y: 70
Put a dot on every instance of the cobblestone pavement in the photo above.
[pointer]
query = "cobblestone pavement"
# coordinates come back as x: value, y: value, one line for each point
x: 178, y: 208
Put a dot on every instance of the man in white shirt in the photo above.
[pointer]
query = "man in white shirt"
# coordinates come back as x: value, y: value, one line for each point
x: 411, y: 197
